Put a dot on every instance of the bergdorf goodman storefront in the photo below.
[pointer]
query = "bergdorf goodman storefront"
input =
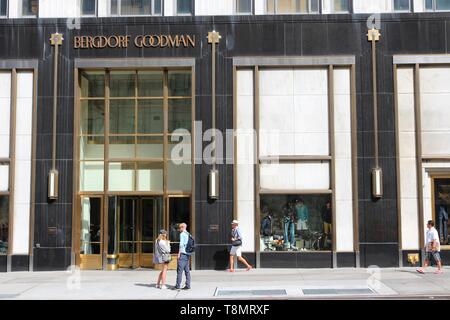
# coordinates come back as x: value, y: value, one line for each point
x: 133, y: 145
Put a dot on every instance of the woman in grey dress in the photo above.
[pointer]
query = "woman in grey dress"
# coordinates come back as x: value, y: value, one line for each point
x: 161, y: 256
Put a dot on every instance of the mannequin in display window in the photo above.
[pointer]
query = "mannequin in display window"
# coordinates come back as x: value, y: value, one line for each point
x: 302, y: 215
x: 443, y: 224
x: 267, y: 229
x: 289, y: 227
x: 327, y: 220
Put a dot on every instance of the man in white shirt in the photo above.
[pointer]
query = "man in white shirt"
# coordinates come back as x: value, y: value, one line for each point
x: 432, y: 248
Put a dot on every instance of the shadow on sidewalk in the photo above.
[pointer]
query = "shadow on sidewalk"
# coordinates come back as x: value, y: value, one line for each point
x: 148, y: 285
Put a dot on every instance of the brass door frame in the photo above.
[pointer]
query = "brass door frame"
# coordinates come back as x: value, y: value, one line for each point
x: 92, y: 261
x: 433, y: 201
x: 106, y: 193
x: 138, y: 257
x: 135, y: 226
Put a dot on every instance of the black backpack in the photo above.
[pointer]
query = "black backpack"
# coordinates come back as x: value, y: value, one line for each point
x: 190, y: 246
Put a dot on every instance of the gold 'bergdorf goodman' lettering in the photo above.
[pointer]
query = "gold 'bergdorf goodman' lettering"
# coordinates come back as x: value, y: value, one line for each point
x: 100, y: 42
x: 140, y: 41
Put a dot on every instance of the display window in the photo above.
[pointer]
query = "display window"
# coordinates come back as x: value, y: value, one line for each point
x: 296, y: 223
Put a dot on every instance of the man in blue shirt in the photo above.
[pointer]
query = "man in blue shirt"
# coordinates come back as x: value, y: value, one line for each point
x: 183, y: 259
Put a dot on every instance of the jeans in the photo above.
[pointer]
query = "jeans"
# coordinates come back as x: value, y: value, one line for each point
x: 443, y: 230
x: 289, y: 233
x: 183, y: 265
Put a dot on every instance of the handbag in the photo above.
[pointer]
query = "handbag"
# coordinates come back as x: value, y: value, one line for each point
x: 165, y: 256
x: 236, y: 243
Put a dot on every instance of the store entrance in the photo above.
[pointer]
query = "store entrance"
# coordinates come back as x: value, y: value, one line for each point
x: 137, y: 221
x: 128, y: 228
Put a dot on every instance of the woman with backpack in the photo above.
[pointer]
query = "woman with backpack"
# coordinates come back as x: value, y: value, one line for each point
x: 161, y: 256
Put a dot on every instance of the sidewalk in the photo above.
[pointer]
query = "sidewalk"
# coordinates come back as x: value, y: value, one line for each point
x: 256, y: 284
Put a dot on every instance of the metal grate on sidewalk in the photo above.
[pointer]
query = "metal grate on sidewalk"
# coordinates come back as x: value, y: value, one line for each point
x: 335, y: 291
x: 237, y: 292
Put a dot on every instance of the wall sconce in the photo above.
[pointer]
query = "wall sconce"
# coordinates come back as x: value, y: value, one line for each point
x: 213, y: 184
x: 53, y: 184
x: 377, y: 182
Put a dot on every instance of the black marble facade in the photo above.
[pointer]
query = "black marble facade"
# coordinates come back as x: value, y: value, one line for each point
x: 299, y: 35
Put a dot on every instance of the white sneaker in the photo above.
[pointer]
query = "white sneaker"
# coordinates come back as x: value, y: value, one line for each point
x: 163, y: 287
x: 158, y: 286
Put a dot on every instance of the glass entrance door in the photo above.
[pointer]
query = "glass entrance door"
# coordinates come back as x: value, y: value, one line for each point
x: 127, y: 232
x: 139, y: 220
x: 91, y: 226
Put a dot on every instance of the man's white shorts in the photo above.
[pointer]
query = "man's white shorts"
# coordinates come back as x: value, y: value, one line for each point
x: 236, y: 251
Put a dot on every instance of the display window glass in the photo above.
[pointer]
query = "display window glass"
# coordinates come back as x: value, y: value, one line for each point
x: 296, y: 223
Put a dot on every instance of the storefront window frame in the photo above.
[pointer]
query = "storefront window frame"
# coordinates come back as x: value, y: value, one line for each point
x: 6, y: 4
x: 89, y: 14
x: 403, y: 10
x: 24, y: 14
x: 255, y: 64
x: 192, y: 8
x: 275, y: 6
x: 119, y: 10
x: 349, y: 6
x: 244, y: 13
x: 11, y: 160
x: 434, y: 7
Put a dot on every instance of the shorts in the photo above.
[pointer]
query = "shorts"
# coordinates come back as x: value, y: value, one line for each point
x: 301, y: 225
x: 236, y: 251
x: 433, y: 254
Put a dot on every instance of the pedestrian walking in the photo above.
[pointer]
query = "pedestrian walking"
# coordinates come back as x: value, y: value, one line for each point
x: 162, y: 257
x: 432, y: 248
x: 236, y: 247
x: 184, y: 256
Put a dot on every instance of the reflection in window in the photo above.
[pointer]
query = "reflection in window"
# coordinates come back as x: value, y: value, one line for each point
x: 179, y: 212
x: 30, y: 8
x: 180, y: 114
x: 150, y: 84
x: 92, y: 84
x: 437, y: 5
x: 341, y: 6
x: 442, y: 207
x: 296, y: 223
x: 150, y: 117
x: 244, y: 6
x: 402, y: 5
x: 122, y: 117
x: 292, y: 6
x: 3, y: 8
x: 92, y: 117
x: 185, y: 7
x: 88, y: 7
x: 4, y: 224
x: 179, y: 84
x: 122, y: 84
x: 136, y: 7
x: 90, y: 235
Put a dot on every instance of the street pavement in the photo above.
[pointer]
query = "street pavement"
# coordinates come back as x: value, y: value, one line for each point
x: 399, y: 283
